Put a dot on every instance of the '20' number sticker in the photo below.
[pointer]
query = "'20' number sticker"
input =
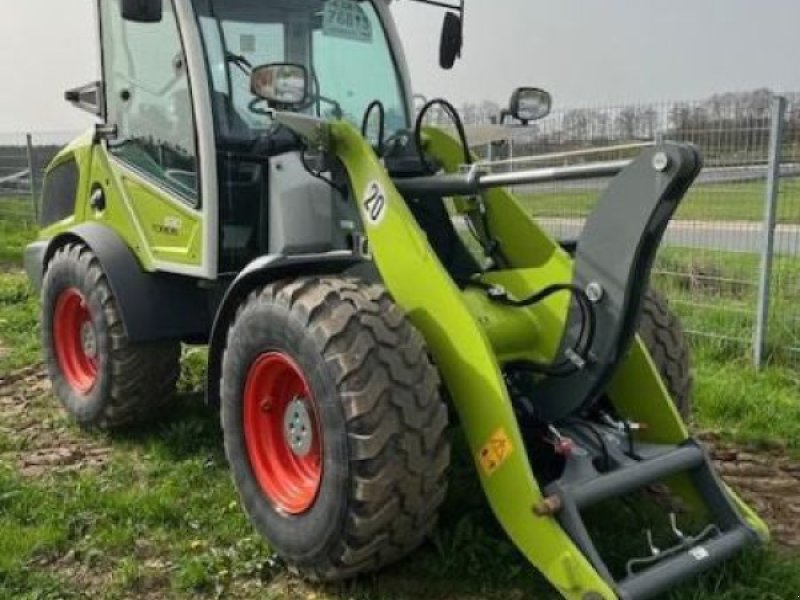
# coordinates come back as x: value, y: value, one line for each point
x: 375, y: 203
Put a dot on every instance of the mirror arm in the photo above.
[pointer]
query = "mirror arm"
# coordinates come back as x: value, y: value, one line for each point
x: 89, y: 97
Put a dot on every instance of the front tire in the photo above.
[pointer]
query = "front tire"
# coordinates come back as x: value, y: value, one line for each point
x: 101, y: 379
x: 336, y: 360
x: 662, y: 333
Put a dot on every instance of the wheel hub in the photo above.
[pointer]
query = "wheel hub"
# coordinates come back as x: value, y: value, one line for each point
x: 282, y: 433
x: 298, y: 428
x: 75, y: 341
x: 89, y: 339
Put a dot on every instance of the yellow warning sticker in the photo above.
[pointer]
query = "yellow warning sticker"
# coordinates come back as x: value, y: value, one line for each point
x: 495, y: 452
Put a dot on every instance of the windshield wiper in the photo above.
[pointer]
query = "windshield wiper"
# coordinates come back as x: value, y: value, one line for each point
x: 245, y: 66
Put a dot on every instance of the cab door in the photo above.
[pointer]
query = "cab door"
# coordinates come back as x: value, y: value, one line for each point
x: 161, y: 159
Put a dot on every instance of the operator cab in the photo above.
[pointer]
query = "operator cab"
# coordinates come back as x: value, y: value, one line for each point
x: 182, y: 112
x: 184, y: 120
x: 347, y: 62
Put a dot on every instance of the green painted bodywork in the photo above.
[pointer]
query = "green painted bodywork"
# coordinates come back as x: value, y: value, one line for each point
x: 470, y: 337
x: 160, y: 229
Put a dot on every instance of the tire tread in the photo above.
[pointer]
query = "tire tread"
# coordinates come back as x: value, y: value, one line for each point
x: 395, y: 419
x: 663, y: 335
x: 144, y: 375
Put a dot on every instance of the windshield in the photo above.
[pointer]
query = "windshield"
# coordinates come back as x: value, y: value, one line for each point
x: 342, y: 43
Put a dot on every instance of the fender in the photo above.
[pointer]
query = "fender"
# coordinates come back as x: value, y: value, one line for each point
x: 260, y: 272
x: 153, y: 306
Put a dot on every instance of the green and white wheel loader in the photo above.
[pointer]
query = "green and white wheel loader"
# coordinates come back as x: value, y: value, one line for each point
x: 257, y: 183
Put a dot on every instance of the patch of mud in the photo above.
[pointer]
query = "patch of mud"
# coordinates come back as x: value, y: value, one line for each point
x: 33, y: 433
x: 768, y: 480
x: 69, y: 456
x: 79, y: 571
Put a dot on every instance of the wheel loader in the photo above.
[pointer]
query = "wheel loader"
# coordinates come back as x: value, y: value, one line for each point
x: 257, y: 182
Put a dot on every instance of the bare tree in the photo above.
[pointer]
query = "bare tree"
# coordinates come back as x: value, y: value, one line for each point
x: 626, y: 121
x: 576, y: 125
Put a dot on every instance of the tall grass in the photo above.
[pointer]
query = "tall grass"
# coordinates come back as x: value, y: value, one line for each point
x: 716, y: 295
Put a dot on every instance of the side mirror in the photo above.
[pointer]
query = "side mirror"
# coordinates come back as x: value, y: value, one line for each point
x: 530, y: 104
x: 284, y: 85
x: 452, y: 40
x: 143, y: 11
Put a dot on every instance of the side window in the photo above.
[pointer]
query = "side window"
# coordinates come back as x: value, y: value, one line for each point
x: 147, y: 90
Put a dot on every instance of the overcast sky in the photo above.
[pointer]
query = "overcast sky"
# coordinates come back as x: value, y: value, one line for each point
x: 586, y: 52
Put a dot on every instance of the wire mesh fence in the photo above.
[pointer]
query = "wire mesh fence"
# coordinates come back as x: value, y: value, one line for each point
x: 784, y: 312
x: 16, y: 196
x: 711, y: 263
x: 23, y: 159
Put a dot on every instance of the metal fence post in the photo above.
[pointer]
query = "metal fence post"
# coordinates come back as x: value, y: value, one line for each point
x: 32, y: 175
x: 768, y: 234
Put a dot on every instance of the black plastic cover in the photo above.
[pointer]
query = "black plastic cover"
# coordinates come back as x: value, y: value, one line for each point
x: 60, y: 192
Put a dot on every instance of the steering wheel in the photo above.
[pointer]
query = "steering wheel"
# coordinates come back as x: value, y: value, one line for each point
x: 401, y: 136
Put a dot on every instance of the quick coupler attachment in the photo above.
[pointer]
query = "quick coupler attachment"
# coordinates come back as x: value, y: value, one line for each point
x: 598, y: 467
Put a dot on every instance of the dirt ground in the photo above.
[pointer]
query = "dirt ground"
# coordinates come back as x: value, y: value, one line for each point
x: 768, y: 480
x: 38, y: 442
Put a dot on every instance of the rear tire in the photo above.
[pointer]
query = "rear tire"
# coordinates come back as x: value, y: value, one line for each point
x: 365, y: 490
x: 101, y: 379
x: 664, y: 337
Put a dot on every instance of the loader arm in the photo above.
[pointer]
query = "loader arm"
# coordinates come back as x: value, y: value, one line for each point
x: 471, y: 338
x: 467, y: 363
